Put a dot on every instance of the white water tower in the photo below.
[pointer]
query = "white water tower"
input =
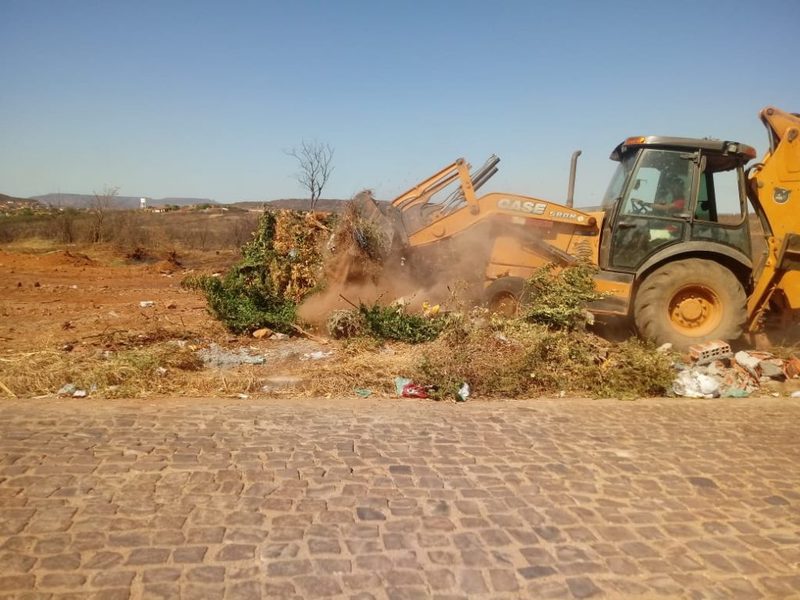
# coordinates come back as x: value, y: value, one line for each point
x: 142, y: 203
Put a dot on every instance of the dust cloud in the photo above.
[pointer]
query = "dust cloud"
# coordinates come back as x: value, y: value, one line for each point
x: 450, y: 272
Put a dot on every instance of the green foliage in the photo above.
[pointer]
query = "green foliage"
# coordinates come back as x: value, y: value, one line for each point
x: 557, y: 298
x: 634, y: 369
x: 244, y: 302
x: 280, y: 266
x: 394, y: 323
x: 384, y: 323
x: 259, y: 250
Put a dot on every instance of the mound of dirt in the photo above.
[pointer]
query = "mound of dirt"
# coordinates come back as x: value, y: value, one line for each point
x: 76, y: 259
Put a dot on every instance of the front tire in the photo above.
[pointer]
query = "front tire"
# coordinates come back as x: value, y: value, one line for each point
x: 504, y: 295
x: 688, y: 302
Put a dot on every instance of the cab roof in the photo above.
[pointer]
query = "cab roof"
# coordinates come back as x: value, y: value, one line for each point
x: 726, y: 148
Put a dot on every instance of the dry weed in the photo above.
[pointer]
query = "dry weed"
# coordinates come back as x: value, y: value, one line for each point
x: 361, y: 365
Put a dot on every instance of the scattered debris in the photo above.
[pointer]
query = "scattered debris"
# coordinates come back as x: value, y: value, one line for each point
x: 693, y: 383
x: 146, y: 304
x: 406, y: 388
x: 399, y: 384
x: 79, y: 394
x: 363, y: 392
x: 715, y: 371
x: 747, y: 362
x: 216, y: 356
x: 702, y: 354
x: 67, y: 390
x: 415, y: 390
x: 463, y: 393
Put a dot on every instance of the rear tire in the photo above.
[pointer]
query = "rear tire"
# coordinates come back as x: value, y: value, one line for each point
x: 504, y: 295
x: 688, y: 302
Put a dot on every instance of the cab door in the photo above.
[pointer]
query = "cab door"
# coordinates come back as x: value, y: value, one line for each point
x: 654, y: 211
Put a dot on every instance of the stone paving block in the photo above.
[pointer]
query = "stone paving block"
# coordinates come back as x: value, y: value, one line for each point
x: 294, y: 499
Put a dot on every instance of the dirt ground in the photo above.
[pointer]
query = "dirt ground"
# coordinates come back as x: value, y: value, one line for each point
x: 67, y: 312
x: 52, y: 298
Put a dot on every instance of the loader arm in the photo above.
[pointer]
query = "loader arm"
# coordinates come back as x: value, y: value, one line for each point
x: 509, y: 208
x: 463, y: 209
x: 774, y: 191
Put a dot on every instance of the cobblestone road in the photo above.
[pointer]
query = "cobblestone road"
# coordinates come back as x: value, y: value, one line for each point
x: 400, y: 499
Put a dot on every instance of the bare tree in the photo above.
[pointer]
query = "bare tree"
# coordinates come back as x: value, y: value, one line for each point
x: 315, y: 162
x: 98, y: 208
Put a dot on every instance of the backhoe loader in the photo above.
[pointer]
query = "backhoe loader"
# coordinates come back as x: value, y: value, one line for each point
x: 671, y: 242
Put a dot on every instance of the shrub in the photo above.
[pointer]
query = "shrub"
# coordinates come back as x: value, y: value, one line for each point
x: 557, y: 298
x: 243, y: 302
x: 516, y: 358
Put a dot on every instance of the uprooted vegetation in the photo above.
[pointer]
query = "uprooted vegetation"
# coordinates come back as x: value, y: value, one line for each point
x: 545, y: 349
x: 279, y: 268
x: 297, y: 257
x: 517, y: 358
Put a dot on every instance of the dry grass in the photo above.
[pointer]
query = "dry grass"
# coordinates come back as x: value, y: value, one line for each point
x: 512, y: 358
x: 33, y: 245
x: 158, y: 369
x: 364, y: 364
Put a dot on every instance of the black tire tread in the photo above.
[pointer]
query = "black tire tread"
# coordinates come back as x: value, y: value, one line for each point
x: 649, y: 305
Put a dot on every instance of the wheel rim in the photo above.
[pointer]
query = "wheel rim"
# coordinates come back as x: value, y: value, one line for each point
x: 695, y: 310
x: 504, y: 303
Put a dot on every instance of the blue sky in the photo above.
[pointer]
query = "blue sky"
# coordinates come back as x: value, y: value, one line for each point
x: 192, y: 98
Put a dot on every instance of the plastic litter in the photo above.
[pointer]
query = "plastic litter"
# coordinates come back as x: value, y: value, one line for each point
x: 463, y: 392
x: 735, y: 393
x: 693, y: 383
x: 363, y: 392
x: 408, y: 389
x: 795, y: 394
x: 146, y: 304
x: 67, y: 390
x: 414, y: 390
x: 399, y: 384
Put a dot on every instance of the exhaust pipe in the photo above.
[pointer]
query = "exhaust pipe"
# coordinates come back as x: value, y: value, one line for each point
x: 573, y: 166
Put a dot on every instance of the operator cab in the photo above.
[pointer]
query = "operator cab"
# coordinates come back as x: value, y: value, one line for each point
x: 669, y: 190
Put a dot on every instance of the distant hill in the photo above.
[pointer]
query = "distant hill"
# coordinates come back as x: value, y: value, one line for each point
x: 5, y: 199
x: 323, y: 204
x: 11, y: 205
x: 118, y: 202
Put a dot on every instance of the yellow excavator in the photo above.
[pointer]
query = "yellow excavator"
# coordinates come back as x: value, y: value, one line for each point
x: 673, y: 241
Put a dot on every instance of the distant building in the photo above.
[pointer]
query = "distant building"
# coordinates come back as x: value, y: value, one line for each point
x: 142, y: 203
